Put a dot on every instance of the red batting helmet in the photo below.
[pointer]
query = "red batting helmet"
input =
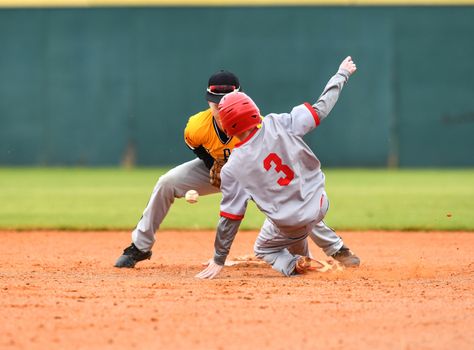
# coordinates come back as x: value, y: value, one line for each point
x: 238, y: 113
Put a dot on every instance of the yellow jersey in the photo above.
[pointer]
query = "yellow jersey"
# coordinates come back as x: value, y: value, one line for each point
x: 202, y: 131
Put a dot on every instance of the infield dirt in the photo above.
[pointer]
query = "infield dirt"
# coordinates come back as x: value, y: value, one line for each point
x: 60, y: 291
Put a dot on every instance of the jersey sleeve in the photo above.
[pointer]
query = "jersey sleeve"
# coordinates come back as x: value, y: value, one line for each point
x: 304, y: 118
x: 234, y: 198
x: 331, y: 93
x: 226, y: 231
x: 301, y: 120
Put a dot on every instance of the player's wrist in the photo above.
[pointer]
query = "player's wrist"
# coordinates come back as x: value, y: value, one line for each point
x: 219, y: 259
x: 344, y: 72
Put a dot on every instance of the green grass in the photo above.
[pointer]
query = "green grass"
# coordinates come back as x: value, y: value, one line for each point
x: 77, y: 198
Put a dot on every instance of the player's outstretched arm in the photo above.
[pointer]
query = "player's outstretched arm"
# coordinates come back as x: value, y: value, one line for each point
x: 331, y: 92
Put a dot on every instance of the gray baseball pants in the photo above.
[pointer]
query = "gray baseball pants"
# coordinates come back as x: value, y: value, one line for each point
x: 281, y: 249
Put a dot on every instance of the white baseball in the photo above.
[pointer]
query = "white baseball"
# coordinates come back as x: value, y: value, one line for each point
x: 192, y: 196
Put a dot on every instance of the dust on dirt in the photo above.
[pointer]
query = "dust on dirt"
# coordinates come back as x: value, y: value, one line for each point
x: 60, y: 290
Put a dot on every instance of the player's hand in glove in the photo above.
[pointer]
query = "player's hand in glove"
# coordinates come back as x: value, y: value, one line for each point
x: 215, y: 172
x: 211, y: 271
x: 348, y: 65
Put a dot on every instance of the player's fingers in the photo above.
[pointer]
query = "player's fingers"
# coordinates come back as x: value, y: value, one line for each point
x: 204, y: 276
x: 212, y: 271
x: 201, y: 276
x: 203, y: 273
x: 213, y: 274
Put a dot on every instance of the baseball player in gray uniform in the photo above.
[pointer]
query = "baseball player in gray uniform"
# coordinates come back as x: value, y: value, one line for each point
x: 274, y: 167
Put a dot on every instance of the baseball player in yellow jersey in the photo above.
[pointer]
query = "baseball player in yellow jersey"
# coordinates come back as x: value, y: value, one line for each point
x: 204, y: 135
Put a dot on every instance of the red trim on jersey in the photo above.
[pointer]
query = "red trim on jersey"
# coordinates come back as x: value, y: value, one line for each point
x: 231, y: 216
x: 321, y: 201
x: 247, y: 138
x: 313, y: 113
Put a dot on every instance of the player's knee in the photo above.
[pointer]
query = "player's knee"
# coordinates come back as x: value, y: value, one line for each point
x: 166, y: 182
x: 261, y: 253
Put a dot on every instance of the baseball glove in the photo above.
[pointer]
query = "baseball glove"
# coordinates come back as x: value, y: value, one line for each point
x: 215, y: 172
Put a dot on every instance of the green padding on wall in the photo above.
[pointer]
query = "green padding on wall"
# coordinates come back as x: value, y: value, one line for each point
x: 105, y: 86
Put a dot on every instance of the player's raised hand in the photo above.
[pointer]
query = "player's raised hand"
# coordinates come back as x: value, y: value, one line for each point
x: 211, y: 271
x: 348, y: 65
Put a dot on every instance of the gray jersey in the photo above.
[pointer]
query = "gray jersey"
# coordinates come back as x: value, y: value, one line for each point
x: 277, y: 170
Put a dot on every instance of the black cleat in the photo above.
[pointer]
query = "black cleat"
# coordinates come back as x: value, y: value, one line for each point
x: 346, y: 257
x: 131, y: 255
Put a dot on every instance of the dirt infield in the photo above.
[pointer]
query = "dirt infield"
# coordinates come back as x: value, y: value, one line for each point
x: 60, y: 291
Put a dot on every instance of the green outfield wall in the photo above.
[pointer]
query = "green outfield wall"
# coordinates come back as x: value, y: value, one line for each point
x: 113, y: 85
